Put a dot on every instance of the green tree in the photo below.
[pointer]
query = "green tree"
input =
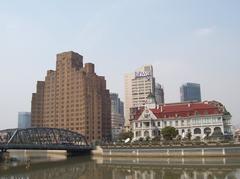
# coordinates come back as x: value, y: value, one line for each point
x: 217, y: 134
x: 169, y: 133
x: 157, y: 138
x: 189, y: 135
x: 125, y: 135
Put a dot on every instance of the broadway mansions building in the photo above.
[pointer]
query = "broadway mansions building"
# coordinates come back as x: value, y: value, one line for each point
x: 73, y: 97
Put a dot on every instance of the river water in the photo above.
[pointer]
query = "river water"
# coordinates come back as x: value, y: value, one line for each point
x: 40, y: 165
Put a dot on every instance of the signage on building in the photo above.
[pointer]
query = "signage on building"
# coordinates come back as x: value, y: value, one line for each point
x: 140, y: 74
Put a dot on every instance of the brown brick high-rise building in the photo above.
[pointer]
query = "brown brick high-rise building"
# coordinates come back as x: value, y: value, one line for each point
x: 73, y: 97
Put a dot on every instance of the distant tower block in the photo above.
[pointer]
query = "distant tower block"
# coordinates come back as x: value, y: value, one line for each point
x: 190, y: 92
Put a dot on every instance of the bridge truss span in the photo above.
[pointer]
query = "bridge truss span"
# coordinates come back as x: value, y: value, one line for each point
x: 42, y: 139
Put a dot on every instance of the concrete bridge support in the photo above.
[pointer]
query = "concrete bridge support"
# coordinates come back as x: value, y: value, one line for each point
x: 78, y: 153
x: 4, y: 155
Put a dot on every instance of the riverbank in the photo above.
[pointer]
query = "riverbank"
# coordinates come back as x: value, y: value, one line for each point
x: 168, y: 151
x: 205, y: 162
x: 32, y: 154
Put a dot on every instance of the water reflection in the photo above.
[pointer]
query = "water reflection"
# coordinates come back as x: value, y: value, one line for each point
x: 119, y: 168
x: 215, y: 161
x: 73, y: 168
x: 170, y: 168
x: 173, y: 173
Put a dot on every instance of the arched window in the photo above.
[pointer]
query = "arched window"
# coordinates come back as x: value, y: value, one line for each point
x: 146, y: 133
x: 207, y: 130
x: 217, y: 129
x: 197, y: 131
x: 136, y: 133
x: 156, y: 132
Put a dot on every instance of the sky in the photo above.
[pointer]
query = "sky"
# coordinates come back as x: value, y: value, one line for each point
x: 185, y: 41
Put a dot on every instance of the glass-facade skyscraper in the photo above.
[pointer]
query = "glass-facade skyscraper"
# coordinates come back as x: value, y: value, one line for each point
x: 159, y: 94
x: 190, y: 92
x: 24, y: 120
x: 117, y: 115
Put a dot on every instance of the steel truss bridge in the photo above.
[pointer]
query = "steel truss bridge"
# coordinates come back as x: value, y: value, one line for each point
x: 44, y: 139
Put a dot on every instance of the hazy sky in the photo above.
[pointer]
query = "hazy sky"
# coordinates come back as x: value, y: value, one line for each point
x: 184, y: 40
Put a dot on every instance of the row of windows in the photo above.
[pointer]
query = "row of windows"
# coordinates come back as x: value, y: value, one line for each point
x: 140, y: 88
x: 206, y: 120
x: 178, y: 123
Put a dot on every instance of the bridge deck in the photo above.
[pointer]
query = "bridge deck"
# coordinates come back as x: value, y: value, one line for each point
x: 45, y: 147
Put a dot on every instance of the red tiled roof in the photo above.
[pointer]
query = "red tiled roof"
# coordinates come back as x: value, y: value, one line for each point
x: 184, y: 110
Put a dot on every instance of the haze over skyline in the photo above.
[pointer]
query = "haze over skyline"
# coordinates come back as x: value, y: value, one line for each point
x: 185, y: 41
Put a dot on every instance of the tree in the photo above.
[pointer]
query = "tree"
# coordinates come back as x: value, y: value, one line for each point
x: 157, y: 138
x: 189, y: 135
x: 125, y: 135
x: 147, y: 138
x: 217, y: 134
x: 169, y: 133
x: 178, y: 137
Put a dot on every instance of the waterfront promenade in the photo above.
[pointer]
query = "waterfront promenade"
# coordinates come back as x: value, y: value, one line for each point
x: 168, y: 151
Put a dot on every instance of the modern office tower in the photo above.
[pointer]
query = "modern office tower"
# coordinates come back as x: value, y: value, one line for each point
x: 159, y: 94
x: 190, y: 92
x: 24, y: 120
x: 73, y: 97
x: 117, y: 115
x: 138, y: 85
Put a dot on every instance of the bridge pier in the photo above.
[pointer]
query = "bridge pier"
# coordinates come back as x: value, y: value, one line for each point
x: 4, y: 155
x: 78, y: 153
x: 3, y: 150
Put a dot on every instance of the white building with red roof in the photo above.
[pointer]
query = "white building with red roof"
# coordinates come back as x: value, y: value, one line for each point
x: 199, y: 118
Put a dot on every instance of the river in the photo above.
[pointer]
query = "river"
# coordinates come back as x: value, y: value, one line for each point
x: 40, y: 165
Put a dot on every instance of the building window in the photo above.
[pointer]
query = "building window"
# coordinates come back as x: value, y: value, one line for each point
x: 138, y: 133
x: 165, y: 123
x: 197, y: 131
x: 176, y: 123
x: 219, y: 119
x: 153, y: 124
x: 217, y: 129
x: 146, y: 134
x: 182, y: 123
x: 146, y: 124
x: 207, y: 131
